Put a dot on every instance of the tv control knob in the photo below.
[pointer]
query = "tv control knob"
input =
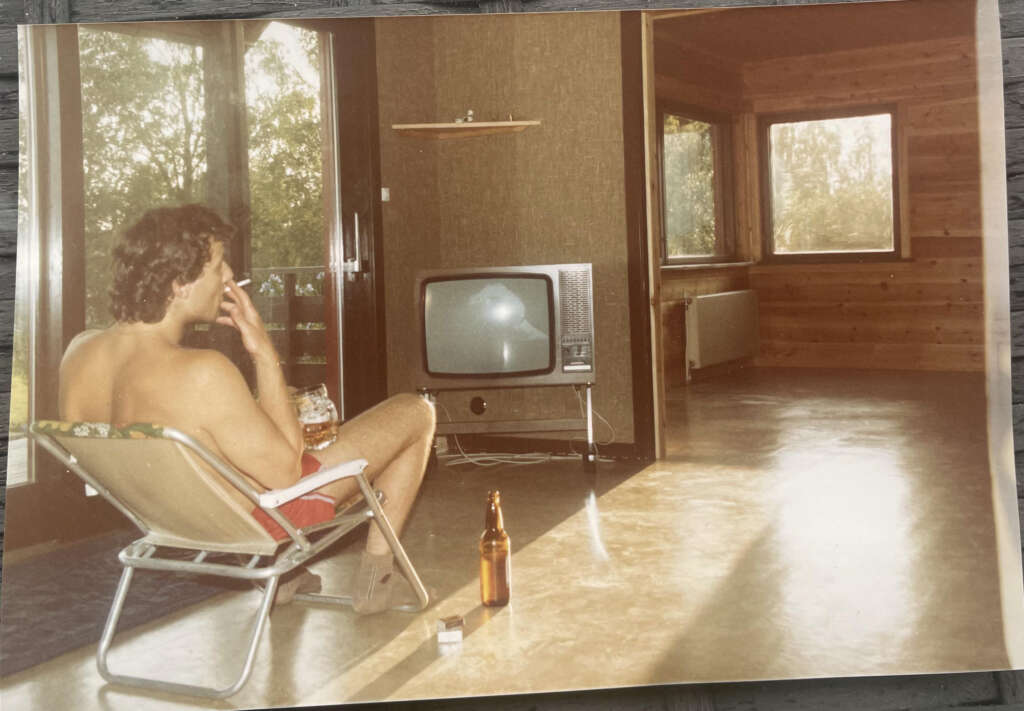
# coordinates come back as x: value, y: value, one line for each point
x: 478, y: 405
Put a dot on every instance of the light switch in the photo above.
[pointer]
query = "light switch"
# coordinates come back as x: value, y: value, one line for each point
x: 385, y: 194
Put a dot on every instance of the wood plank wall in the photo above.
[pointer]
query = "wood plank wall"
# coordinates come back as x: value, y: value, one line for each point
x: 921, y: 314
x: 925, y: 313
x: 685, y: 75
x: 981, y: 690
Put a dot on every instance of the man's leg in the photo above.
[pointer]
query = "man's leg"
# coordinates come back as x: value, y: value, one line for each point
x: 395, y: 437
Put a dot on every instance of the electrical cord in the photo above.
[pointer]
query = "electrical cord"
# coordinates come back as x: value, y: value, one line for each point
x: 507, y: 458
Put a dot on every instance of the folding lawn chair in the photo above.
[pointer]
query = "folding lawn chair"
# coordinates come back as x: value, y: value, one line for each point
x: 183, y: 496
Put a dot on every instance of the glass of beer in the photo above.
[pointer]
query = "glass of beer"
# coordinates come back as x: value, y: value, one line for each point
x: 317, y: 415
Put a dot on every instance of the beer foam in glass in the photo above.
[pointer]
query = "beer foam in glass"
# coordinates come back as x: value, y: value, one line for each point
x: 317, y: 415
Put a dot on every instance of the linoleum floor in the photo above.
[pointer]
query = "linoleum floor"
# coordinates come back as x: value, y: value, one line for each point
x: 804, y: 524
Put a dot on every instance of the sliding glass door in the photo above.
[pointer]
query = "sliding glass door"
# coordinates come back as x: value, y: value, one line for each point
x: 240, y: 116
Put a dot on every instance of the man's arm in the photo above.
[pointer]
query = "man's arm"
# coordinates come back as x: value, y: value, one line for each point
x: 271, y: 388
x: 274, y: 400
x: 244, y: 431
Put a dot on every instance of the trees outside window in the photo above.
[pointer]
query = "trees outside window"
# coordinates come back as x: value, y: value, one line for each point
x: 143, y: 141
x: 282, y: 92
x: 152, y: 136
x: 830, y: 186
x: 694, y: 159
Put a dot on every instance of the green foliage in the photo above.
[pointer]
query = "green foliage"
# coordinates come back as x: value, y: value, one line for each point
x: 145, y: 145
x: 143, y: 141
x: 688, y: 151
x: 285, y: 154
x: 832, y: 185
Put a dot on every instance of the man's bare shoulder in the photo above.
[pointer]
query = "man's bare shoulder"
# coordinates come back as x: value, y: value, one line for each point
x: 207, y: 367
x: 86, y: 340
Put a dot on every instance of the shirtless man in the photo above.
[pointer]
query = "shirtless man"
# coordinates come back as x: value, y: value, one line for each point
x: 169, y: 272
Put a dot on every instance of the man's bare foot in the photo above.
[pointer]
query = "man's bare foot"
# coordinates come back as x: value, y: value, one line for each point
x: 302, y: 582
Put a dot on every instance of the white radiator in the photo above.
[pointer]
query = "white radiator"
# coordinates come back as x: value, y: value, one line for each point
x: 720, y: 328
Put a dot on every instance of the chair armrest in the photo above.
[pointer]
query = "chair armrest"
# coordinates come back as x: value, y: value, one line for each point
x: 275, y: 497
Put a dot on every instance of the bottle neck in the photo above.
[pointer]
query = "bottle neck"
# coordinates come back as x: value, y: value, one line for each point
x: 493, y: 521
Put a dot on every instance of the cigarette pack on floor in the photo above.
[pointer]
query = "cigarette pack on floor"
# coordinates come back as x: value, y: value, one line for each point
x: 449, y: 629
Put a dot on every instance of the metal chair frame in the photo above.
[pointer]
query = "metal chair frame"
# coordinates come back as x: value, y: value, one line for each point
x: 144, y: 555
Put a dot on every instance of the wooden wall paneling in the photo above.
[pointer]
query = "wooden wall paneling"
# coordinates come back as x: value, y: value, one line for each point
x: 672, y: 87
x: 939, y: 332
x: 9, y: 16
x: 687, y: 75
x: 903, y: 68
x: 681, y: 284
x: 940, y: 118
x: 872, y: 356
x: 748, y: 194
x: 837, y: 96
x: 902, y: 183
x: 1012, y: 26
x: 906, y: 692
x: 882, y: 65
x: 690, y: 76
x: 9, y: 122
x: 933, y: 84
x: 11, y: 13
x: 673, y: 342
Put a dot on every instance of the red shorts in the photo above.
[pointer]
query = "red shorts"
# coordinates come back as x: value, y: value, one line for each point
x: 307, y: 510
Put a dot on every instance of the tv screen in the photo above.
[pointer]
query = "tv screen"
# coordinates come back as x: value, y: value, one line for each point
x: 489, y: 325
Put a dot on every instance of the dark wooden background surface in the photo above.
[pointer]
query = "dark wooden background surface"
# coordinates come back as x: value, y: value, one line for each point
x: 1000, y: 690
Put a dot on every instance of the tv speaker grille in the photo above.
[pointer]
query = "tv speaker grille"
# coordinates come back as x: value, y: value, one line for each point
x: 574, y: 293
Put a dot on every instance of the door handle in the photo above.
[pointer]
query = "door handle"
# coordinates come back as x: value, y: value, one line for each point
x: 354, y: 265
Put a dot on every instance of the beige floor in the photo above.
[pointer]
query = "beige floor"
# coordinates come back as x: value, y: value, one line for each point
x: 805, y: 524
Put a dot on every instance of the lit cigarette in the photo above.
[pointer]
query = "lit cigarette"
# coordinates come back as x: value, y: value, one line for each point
x: 240, y: 284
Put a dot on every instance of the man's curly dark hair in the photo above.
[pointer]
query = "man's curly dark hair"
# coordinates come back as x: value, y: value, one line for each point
x: 166, y: 244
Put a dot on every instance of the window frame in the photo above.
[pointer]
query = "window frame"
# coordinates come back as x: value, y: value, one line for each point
x: 724, y: 187
x: 764, y: 124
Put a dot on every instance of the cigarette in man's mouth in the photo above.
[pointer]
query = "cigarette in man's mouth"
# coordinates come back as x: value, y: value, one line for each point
x: 240, y: 284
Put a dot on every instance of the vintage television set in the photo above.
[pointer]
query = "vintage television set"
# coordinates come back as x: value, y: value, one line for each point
x: 507, y: 327
x: 501, y: 327
x: 497, y: 327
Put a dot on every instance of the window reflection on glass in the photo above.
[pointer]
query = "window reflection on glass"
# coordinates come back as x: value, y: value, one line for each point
x: 143, y: 141
x: 689, y: 182
x: 21, y: 357
x: 282, y: 90
x: 831, y: 185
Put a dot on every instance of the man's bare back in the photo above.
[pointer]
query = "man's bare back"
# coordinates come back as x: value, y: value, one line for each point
x: 120, y: 376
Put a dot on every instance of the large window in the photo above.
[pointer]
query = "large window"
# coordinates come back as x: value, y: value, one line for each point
x: 154, y: 132
x: 829, y: 191
x: 288, y: 251
x: 143, y: 141
x: 224, y: 114
x: 694, y: 166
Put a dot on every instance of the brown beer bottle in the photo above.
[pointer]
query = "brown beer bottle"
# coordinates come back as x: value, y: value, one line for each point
x: 495, y: 558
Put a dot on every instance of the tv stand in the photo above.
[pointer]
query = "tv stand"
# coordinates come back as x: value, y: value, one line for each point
x: 580, y: 424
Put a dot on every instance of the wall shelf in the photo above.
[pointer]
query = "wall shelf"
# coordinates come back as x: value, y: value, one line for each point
x: 461, y: 130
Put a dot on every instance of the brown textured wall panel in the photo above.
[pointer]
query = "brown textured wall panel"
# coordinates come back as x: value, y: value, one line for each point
x: 552, y: 194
